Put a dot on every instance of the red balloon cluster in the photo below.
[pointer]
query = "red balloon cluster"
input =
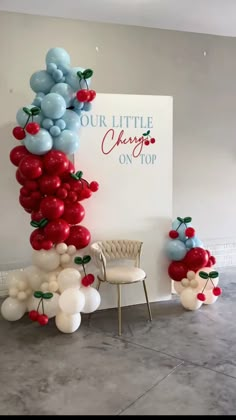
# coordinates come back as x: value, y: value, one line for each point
x: 51, y: 192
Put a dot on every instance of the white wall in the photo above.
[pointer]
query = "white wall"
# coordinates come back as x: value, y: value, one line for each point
x: 141, y: 61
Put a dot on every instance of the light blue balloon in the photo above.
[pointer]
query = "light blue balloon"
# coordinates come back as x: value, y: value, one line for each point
x: 190, y: 243
x: 22, y: 117
x: 175, y: 250
x: 47, y: 123
x: 55, y: 131
x: 198, y: 243
x: 58, y: 56
x: 53, y: 106
x: 57, y: 75
x: 77, y: 104
x: 61, y: 124
x: 51, y: 67
x: 87, y: 106
x: 38, y: 99
x: 41, y: 81
x: 73, y: 80
x: 39, y: 144
x: 67, y: 142
x: 65, y: 91
x: 72, y: 120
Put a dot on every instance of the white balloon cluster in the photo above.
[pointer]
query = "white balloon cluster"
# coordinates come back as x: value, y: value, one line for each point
x: 192, y: 287
x: 52, y: 275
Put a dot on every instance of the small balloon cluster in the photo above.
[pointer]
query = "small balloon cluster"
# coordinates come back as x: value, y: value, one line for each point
x: 51, y: 192
x: 191, y: 266
x: 52, y: 288
x: 52, y: 121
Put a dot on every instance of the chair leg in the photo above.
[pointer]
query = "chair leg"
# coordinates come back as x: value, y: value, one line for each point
x: 148, y: 304
x: 119, y: 308
x: 90, y: 315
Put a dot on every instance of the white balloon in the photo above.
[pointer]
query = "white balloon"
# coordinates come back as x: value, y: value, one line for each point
x: 178, y: 287
x: 67, y: 323
x: 210, y: 298
x: 71, y: 250
x: 12, y: 309
x: 34, y: 277
x: 65, y: 259
x: 92, y: 299
x: 14, y: 277
x: 69, y: 277
x: 46, y: 260
x: 61, y: 248
x: 50, y: 306
x: 72, y: 301
x: 189, y: 300
x: 202, y: 282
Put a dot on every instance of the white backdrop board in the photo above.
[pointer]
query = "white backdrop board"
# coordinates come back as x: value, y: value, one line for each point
x: 135, y: 196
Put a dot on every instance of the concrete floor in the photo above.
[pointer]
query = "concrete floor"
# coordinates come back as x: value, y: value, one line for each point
x: 181, y: 363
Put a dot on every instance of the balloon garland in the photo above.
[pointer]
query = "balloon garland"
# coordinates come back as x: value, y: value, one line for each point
x: 191, y: 266
x: 51, y: 192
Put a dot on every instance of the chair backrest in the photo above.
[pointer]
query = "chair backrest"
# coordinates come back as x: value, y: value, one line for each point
x: 103, y: 251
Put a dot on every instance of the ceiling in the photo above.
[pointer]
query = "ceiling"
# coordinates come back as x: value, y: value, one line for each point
x: 216, y: 17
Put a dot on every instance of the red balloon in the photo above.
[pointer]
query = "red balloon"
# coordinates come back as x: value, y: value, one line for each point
x: 177, y: 270
x: 31, y: 167
x: 31, y: 185
x: 84, y: 194
x: 79, y: 237
x: 20, y: 178
x: 74, y: 213
x: 71, y: 169
x: 57, y: 231
x: 17, y: 154
x: 36, y: 239
x: 48, y: 184
x: 196, y: 258
x: 36, y: 215
x: 52, y: 208
x: 30, y: 203
x: 55, y: 162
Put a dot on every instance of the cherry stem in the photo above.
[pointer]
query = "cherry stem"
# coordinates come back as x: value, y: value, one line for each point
x: 212, y: 283
x: 84, y: 269
x: 27, y: 121
x: 39, y: 304
x: 43, y: 306
x: 205, y: 286
x: 179, y: 226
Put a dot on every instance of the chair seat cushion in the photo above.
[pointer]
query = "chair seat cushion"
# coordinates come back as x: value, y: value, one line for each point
x: 121, y: 274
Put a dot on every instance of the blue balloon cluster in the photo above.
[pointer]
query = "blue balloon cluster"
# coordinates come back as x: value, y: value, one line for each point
x: 59, y: 110
x: 177, y: 248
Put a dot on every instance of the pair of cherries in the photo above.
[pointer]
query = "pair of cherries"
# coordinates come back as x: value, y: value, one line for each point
x: 85, y: 95
x: 35, y: 316
x: 31, y: 128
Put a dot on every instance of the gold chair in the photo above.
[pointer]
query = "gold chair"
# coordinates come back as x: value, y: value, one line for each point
x: 104, y: 252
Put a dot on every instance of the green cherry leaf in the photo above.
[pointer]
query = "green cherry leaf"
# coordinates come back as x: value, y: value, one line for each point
x: 74, y: 176
x: 43, y: 223
x: 27, y: 111
x: 78, y: 260
x: 187, y: 219
x: 47, y: 295
x: 38, y: 294
x: 87, y: 73
x: 148, y: 132
x: 203, y: 275
x: 80, y: 74
x: 35, y: 110
x: 86, y: 259
x: 34, y: 224
x: 213, y: 274
x: 180, y: 219
x: 79, y: 174
x: 144, y: 134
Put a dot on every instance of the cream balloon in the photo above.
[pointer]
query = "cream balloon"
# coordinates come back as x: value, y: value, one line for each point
x: 53, y: 286
x: 65, y: 259
x: 92, y: 299
x: 178, y: 287
x: 44, y: 286
x: 71, y: 301
x: 13, y: 291
x: 46, y: 260
x: 22, y: 295
x: 61, y: 248
x: 189, y: 300
x: 50, y: 306
x: 71, y: 250
x: 210, y: 298
x: 67, y: 323
x: 190, y: 275
x: 69, y: 277
x: 14, y: 277
x: 34, y: 276
x: 12, y: 309
x: 185, y: 282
